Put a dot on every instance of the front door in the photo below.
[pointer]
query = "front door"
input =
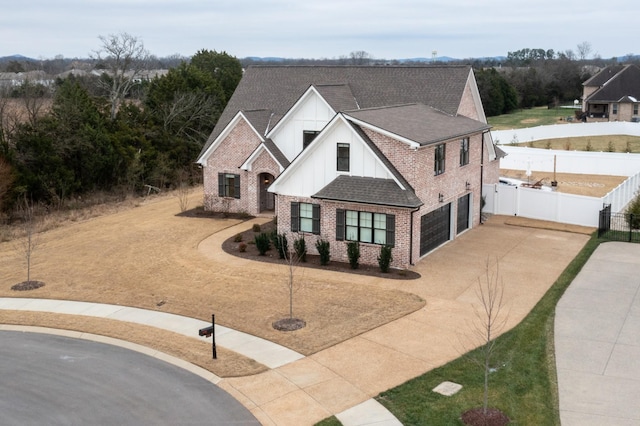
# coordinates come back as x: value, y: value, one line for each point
x: 267, y: 199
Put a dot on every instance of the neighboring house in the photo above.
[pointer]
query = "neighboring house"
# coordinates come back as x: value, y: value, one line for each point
x: 613, y: 94
x: 381, y: 155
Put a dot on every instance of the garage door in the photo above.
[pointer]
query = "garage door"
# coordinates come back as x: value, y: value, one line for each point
x: 463, y: 213
x: 435, y: 228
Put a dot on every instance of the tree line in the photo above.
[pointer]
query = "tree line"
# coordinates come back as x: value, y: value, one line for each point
x: 113, y: 131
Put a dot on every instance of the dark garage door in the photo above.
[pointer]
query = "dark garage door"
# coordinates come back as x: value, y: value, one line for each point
x: 463, y: 213
x: 434, y: 228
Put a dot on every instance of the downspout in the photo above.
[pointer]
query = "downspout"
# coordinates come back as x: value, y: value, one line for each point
x: 411, y: 237
x: 481, y: 174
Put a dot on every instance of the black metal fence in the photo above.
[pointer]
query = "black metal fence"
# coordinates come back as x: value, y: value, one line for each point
x: 618, y: 226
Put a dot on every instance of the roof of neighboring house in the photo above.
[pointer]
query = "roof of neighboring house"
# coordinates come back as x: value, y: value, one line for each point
x: 623, y: 83
x: 277, y: 88
x: 368, y: 190
x: 603, y: 76
x: 419, y: 123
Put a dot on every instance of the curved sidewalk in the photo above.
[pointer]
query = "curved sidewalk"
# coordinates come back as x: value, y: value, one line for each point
x: 265, y: 352
x: 597, y: 340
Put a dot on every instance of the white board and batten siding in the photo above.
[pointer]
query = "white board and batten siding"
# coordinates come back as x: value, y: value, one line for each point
x: 310, y: 113
x: 318, y: 167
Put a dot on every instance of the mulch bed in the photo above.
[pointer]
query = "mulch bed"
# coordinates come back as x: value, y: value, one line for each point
x: 27, y: 285
x: 477, y: 417
x: 231, y: 246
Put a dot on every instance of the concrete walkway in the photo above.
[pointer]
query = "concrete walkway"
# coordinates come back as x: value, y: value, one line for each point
x: 597, y: 340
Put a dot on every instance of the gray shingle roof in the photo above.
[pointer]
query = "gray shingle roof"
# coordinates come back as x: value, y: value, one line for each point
x: 367, y: 190
x: 419, y: 123
x: 280, y: 157
x: 277, y: 88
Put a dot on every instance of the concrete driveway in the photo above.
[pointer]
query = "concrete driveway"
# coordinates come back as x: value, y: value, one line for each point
x: 597, y: 334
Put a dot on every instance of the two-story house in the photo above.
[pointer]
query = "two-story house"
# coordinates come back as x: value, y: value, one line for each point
x: 381, y: 155
x: 613, y: 94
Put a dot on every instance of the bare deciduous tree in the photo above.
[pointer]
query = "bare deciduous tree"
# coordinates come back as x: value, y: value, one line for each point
x: 584, y: 50
x: 30, y: 240
x: 360, y: 57
x: 491, y: 320
x: 292, y: 261
x: 124, y: 57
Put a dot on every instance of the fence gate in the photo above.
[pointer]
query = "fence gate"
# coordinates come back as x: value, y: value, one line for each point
x: 604, y: 223
x: 619, y: 226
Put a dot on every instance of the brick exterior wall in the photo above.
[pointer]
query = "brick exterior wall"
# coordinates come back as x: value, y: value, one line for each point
x: 232, y: 152
x: 368, y: 252
x: 417, y: 167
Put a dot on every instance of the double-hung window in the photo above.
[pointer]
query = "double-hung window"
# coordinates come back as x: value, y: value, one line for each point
x: 305, y: 217
x: 635, y: 109
x: 343, y: 157
x: 614, y: 109
x: 438, y: 164
x: 365, y: 227
x: 464, y: 151
x: 228, y: 185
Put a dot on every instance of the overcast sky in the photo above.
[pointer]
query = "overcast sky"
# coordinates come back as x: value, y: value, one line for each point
x: 389, y: 29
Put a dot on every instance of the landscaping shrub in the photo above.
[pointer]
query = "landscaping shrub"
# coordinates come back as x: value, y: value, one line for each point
x: 353, y: 252
x: 242, y: 247
x: 300, y: 246
x: 237, y: 238
x: 280, y: 243
x: 323, y: 248
x: 263, y: 243
x: 633, y: 212
x: 385, y: 258
x: 255, y: 227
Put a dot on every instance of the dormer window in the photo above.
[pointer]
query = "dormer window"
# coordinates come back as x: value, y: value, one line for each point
x: 343, y: 157
x: 308, y: 136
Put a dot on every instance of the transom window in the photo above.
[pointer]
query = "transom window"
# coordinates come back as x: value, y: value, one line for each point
x: 343, y: 157
x: 365, y: 227
x: 464, y: 151
x: 438, y: 165
x: 308, y: 136
x: 228, y: 185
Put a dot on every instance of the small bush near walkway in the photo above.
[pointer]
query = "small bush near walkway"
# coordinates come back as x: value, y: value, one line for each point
x: 324, y: 249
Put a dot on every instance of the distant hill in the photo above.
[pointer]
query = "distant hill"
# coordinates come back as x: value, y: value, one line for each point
x: 18, y: 58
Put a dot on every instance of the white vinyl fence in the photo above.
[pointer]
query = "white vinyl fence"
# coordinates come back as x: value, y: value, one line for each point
x: 557, y: 206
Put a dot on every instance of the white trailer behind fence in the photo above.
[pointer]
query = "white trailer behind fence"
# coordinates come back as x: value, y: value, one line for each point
x: 557, y: 206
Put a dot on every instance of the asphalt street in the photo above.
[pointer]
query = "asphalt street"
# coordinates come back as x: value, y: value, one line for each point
x: 56, y: 380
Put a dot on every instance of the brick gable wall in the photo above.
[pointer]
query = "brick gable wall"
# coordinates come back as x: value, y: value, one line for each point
x: 227, y: 158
